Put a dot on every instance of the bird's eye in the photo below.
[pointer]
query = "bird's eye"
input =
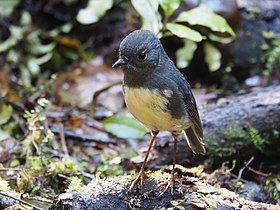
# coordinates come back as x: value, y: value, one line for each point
x: 142, y: 56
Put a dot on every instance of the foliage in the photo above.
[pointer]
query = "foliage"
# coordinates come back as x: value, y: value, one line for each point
x: 35, y: 164
x: 5, y: 113
x: 148, y: 9
x: 185, y: 54
x: 28, y: 49
x: 66, y: 165
x: 4, y: 186
x: 235, y: 138
x: 94, y: 11
x: 205, y: 17
x: 212, y: 56
x: 124, y: 127
x: 179, y: 204
x: 75, y: 183
x: 272, y: 186
x: 257, y: 140
x: 37, y: 134
x: 182, y: 25
x: 110, y: 166
x: 7, y: 7
x: 32, y: 49
x: 271, y: 56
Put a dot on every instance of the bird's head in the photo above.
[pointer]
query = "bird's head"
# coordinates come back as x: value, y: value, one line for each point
x: 139, y: 51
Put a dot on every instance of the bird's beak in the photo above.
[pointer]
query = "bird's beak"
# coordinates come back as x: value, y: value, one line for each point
x: 119, y: 62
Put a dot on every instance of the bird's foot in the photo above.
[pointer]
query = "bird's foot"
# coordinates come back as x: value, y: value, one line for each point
x: 135, y: 180
x: 169, y: 184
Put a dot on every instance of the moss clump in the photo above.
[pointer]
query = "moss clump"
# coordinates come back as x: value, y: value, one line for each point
x: 232, y: 141
x: 256, y: 138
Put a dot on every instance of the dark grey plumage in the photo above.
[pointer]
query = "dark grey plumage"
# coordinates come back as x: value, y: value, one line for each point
x: 148, y: 68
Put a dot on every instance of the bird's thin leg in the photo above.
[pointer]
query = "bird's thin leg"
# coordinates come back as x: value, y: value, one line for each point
x: 170, y: 181
x: 141, y: 173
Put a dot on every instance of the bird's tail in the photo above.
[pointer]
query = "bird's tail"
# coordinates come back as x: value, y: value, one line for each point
x: 194, y: 141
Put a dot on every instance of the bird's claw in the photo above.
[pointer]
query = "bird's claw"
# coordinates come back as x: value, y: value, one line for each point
x: 140, y: 177
x: 169, y: 184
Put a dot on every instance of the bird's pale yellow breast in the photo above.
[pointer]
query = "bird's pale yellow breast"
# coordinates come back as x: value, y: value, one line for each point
x: 150, y: 108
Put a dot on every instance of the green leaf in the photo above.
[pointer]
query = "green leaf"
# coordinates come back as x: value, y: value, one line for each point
x: 15, y: 37
x: 180, y: 207
x: 33, y: 66
x: 277, y: 184
x: 41, y: 48
x: 212, y: 56
x: 35, y: 164
x: 124, y: 127
x: 7, y: 7
x: 256, y: 138
x: 43, y: 59
x: 5, y: 114
x: 15, y: 163
x: 25, y: 76
x: 223, y: 40
x: 174, y: 203
x: 148, y: 9
x: 185, y: 54
x: 169, y: 6
x: 33, y: 63
x: 25, y: 18
x: 94, y: 11
x: 204, y: 16
x: 4, y: 135
x: 184, y: 32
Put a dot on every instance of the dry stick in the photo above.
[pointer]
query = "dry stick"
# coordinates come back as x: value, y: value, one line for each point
x: 258, y: 172
x: 20, y: 200
x: 10, y: 169
x: 246, y: 165
x: 236, y: 177
x: 96, y: 125
x: 98, y: 92
x: 83, y: 137
x: 62, y: 139
x: 251, y: 169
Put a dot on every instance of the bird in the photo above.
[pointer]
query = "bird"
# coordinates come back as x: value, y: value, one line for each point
x: 157, y: 94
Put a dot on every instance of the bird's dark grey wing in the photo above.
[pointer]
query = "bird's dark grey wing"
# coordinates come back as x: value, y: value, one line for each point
x: 185, y: 89
x: 192, y: 110
x: 179, y: 81
x: 193, y: 134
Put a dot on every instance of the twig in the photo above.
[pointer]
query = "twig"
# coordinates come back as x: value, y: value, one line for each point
x: 251, y: 169
x: 258, y: 172
x: 21, y: 201
x: 95, y: 124
x: 246, y: 165
x: 98, y: 92
x: 83, y: 137
x: 62, y: 139
x: 10, y: 169
x: 236, y: 177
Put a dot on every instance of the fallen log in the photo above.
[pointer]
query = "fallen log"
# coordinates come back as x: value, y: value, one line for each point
x: 190, y: 193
